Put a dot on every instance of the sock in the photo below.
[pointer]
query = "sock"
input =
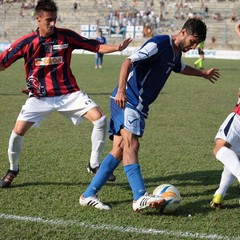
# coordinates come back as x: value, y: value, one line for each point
x: 106, y: 169
x: 14, y: 148
x: 230, y: 160
x: 201, y: 64
x: 134, y: 176
x: 98, y: 139
x: 197, y: 61
x: 227, y: 179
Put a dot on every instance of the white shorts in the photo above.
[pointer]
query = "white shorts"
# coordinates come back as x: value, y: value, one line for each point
x: 230, y: 131
x: 72, y: 105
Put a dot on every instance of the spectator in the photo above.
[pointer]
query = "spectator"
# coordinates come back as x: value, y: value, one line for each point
x: 75, y: 6
x: 99, y: 56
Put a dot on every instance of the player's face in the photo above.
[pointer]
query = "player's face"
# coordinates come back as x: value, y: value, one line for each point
x: 188, y: 42
x: 46, y: 22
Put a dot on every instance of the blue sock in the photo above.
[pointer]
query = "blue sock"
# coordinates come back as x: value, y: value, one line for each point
x: 134, y: 176
x: 106, y: 169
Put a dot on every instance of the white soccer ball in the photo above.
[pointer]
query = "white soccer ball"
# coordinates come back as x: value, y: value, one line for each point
x: 172, y: 196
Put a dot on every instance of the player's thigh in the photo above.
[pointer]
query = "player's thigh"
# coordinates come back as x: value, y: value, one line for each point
x: 79, y: 106
x: 79, y: 115
x: 93, y: 114
x: 33, y: 112
x: 21, y: 127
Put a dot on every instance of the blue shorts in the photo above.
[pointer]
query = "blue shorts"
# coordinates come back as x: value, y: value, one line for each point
x: 128, y: 118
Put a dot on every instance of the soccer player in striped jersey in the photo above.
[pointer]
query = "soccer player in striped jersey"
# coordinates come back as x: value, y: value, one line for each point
x: 142, y: 76
x: 51, y: 84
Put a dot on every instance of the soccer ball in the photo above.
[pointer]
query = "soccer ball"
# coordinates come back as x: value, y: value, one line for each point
x: 172, y: 196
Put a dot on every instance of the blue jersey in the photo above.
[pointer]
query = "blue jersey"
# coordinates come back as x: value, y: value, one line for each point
x: 151, y: 67
x: 102, y: 40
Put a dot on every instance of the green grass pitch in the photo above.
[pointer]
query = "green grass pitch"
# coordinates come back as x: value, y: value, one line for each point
x: 42, y: 202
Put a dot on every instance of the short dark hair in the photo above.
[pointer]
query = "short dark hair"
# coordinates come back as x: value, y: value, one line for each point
x: 196, y: 27
x: 46, y: 6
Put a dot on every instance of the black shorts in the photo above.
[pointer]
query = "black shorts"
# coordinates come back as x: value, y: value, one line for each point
x: 200, y: 51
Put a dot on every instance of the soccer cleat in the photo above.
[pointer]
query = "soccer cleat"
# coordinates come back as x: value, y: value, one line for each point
x: 8, y: 178
x: 94, y: 202
x: 92, y: 170
x: 217, y: 201
x: 148, y: 201
x: 112, y: 178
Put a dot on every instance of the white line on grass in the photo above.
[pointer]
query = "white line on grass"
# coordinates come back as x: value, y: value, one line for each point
x: 117, y: 228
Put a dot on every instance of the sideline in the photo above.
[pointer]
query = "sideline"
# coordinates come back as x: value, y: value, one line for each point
x: 116, y: 228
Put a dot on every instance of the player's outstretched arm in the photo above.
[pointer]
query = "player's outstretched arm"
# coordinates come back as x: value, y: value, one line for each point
x: 211, y: 74
x: 105, y: 48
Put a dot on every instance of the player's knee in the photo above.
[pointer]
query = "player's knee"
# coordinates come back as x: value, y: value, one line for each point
x: 136, y: 146
x: 117, y: 152
x: 101, y: 122
x: 215, y: 150
x: 132, y: 146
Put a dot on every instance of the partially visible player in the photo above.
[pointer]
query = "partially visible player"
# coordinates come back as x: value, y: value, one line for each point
x: 51, y: 84
x: 199, y: 62
x: 227, y: 149
x: 141, y: 79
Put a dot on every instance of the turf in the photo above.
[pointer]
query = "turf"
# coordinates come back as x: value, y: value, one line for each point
x: 42, y: 203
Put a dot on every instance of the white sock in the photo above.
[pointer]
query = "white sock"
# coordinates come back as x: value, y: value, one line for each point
x: 14, y: 148
x: 98, y: 140
x: 227, y: 179
x: 230, y: 160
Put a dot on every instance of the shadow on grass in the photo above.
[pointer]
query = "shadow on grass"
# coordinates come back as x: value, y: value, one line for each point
x: 194, y: 199
x: 27, y: 184
x: 67, y: 184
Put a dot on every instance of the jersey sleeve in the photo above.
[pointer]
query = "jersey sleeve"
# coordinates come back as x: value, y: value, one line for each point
x: 144, y: 53
x: 179, y: 66
x: 15, y: 51
x: 79, y: 42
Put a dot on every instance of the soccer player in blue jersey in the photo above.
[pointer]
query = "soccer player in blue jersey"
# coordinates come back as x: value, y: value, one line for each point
x: 51, y: 84
x: 99, y: 56
x: 142, y: 76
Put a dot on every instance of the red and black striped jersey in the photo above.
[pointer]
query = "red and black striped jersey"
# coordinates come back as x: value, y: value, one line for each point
x: 48, y: 59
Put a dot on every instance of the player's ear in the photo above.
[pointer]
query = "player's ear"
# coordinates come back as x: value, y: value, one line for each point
x: 184, y: 32
x: 37, y: 18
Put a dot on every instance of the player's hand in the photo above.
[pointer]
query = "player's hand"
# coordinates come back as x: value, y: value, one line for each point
x: 121, y: 99
x: 212, y: 74
x: 124, y: 44
x: 25, y: 91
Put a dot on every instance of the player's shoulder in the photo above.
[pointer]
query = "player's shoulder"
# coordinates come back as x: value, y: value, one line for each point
x: 64, y: 30
x: 69, y: 34
x: 160, y: 40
